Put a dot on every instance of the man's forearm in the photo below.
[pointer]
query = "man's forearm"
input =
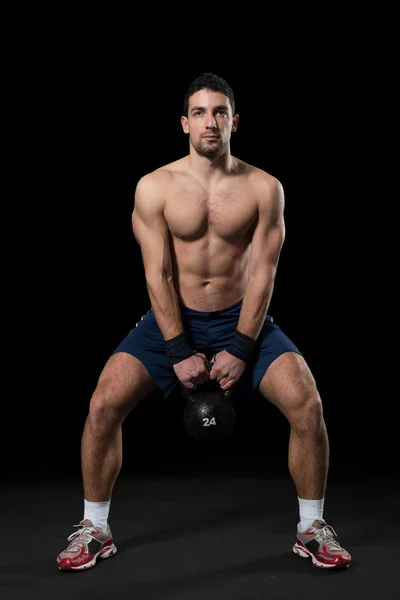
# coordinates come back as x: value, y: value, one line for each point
x: 255, y: 305
x: 164, y: 301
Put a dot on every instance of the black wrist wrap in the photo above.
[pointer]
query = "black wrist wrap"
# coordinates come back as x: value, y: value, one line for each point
x: 242, y: 346
x: 178, y: 348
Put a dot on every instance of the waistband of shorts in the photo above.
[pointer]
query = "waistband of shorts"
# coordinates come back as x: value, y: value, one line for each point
x: 215, y: 313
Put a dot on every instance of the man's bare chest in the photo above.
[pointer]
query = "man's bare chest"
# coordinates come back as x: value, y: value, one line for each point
x: 227, y: 211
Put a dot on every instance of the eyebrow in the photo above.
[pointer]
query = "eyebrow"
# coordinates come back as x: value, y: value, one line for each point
x: 219, y: 107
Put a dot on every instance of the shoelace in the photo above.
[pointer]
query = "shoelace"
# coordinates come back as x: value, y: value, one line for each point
x: 326, y: 534
x: 83, y: 533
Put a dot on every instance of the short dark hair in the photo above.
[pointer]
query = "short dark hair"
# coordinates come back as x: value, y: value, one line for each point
x: 208, y: 81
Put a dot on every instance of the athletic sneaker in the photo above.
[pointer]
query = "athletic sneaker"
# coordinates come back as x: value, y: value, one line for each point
x: 318, y: 543
x: 87, y: 544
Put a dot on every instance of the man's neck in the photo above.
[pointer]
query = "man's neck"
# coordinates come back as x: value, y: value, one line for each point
x: 208, y: 168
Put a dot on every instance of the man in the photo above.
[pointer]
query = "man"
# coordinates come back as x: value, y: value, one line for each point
x: 210, y: 229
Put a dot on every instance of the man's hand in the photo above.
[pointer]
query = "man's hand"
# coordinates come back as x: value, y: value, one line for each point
x: 192, y: 371
x: 227, y: 369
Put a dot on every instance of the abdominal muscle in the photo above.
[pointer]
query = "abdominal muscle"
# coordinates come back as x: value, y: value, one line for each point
x: 210, y: 274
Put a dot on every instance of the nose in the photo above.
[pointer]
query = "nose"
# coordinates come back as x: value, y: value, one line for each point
x: 211, y: 123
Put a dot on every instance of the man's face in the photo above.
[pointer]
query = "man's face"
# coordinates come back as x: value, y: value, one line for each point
x: 209, y: 122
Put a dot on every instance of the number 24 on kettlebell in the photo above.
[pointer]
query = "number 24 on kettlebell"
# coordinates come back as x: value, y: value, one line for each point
x: 209, y: 414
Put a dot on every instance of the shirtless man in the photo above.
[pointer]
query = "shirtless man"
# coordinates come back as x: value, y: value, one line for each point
x: 210, y: 229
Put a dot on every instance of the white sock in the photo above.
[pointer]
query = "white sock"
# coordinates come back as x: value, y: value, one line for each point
x: 309, y: 511
x: 97, y: 512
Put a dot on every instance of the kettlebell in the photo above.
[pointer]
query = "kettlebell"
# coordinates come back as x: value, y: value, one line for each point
x: 209, y: 414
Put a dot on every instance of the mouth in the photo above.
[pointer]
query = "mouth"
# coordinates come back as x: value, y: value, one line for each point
x: 210, y: 137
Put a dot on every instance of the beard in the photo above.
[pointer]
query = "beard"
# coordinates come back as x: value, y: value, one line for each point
x: 207, y: 148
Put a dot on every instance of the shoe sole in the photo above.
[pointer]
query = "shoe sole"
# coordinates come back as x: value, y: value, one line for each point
x: 106, y: 553
x: 304, y: 553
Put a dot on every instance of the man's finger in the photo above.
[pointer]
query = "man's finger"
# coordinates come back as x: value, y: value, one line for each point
x: 228, y: 384
x: 213, y: 373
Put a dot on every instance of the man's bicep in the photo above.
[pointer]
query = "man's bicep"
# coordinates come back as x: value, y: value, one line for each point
x: 268, y: 237
x: 151, y: 230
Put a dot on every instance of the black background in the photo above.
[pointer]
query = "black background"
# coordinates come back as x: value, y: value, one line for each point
x: 94, y: 124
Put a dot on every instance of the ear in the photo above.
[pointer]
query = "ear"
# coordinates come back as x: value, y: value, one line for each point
x: 235, y: 121
x: 184, y: 123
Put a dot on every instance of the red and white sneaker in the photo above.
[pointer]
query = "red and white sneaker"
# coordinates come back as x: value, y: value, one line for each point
x: 318, y: 543
x: 87, y: 544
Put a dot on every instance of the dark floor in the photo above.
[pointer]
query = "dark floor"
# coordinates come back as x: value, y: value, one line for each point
x: 201, y: 531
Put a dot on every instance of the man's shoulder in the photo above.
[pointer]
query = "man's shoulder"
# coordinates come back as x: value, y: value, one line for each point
x: 153, y: 187
x: 260, y: 180
x: 265, y: 187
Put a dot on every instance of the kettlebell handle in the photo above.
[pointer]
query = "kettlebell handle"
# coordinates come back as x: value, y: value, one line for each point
x: 191, y: 394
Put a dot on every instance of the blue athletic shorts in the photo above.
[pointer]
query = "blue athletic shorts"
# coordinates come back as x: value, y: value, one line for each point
x: 208, y: 332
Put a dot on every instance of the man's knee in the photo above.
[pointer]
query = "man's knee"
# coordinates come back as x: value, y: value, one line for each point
x: 123, y: 383
x: 303, y: 410
x: 306, y: 416
x: 289, y: 385
x: 104, y: 407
